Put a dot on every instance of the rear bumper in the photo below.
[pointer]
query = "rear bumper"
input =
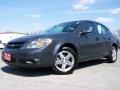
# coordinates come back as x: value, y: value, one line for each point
x: 30, y: 57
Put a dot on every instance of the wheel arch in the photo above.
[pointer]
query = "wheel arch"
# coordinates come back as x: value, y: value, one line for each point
x: 115, y: 45
x: 60, y: 46
x: 70, y: 46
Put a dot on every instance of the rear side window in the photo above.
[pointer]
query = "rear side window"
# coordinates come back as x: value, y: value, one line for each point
x: 102, y: 29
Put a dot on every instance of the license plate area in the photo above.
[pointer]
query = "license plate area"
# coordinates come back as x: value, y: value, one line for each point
x: 7, y: 56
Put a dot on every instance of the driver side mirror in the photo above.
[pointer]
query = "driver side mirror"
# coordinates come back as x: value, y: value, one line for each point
x: 85, y: 32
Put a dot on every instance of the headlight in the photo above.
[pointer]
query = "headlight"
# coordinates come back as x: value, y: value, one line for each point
x: 39, y: 43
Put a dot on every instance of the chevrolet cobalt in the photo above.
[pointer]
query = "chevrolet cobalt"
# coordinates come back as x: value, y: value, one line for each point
x: 63, y: 46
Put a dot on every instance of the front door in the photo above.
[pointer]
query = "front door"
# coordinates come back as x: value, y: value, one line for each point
x: 87, y: 41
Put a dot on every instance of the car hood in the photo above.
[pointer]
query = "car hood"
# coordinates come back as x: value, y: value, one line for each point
x: 32, y: 37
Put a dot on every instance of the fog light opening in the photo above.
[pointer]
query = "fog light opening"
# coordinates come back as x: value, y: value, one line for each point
x: 29, y: 62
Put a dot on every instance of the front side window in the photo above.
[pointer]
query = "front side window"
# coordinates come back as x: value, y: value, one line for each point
x: 87, y: 26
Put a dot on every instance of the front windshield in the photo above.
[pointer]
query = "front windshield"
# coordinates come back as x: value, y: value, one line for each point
x: 64, y: 27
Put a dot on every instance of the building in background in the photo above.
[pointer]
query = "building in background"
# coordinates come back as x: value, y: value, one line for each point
x: 5, y: 37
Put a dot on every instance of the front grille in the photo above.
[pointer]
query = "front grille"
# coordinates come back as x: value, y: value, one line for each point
x: 15, y: 45
x: 12, y: 60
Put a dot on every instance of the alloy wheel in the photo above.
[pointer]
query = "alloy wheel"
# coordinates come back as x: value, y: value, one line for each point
x: 114, y: 54
x: 64, y: 61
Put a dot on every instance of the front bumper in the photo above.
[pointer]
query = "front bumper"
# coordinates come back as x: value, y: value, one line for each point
x: 30, y: 57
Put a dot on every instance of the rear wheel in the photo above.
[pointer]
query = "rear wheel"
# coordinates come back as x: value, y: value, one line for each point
x: 66, y: 61
x: 113, y: 56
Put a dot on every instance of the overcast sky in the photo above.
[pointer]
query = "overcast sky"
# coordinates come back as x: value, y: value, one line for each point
x: 33, y: 15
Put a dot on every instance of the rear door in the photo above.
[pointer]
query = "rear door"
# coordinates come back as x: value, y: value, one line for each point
x: 102, y: 40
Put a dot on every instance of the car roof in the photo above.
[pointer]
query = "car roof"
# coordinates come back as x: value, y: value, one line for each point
x: 79, y: 21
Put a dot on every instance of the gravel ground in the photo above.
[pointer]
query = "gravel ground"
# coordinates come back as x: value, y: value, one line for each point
x: 92, y: 75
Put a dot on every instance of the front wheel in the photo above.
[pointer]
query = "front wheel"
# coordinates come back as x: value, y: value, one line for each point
x: 113, y: 56
x: 66, y: 61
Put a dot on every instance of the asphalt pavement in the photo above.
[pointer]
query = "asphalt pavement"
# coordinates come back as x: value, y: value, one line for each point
x: 91, y: 75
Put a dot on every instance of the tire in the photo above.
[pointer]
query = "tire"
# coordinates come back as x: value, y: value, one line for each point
x: 112, y: 58
x: 66, y: 61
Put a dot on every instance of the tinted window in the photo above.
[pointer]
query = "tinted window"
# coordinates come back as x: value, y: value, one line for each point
x: 64, y: 27
x: 87, y: 26
x: 102, y: 29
